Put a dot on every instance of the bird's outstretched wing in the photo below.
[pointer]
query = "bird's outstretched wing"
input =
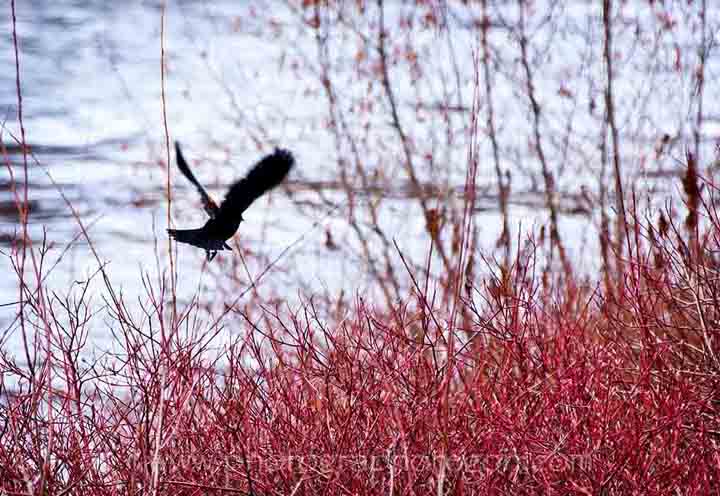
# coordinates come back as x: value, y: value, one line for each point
x: 208, y: 204
x: 265, y: 175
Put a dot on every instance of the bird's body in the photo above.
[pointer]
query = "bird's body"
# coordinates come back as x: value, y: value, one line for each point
x: 225, y: 219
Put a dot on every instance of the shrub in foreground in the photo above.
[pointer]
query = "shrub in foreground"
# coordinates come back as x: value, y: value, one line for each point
x: 533, y: 388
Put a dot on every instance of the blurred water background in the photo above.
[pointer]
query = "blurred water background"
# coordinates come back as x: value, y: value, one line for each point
x: 244, y: 77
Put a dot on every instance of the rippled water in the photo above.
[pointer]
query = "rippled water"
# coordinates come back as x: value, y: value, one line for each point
x: 239, y: 81
x: 91, y: 88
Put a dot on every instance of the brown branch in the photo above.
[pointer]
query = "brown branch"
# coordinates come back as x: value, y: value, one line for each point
x: 621, y: 221
x: 700, y: 75
x: 167, y: 156
x: 550, y: 194
x: 336, y: 122
x: 409, y: 167
x: 604, y: 234
x: 503, y: 185
x: 23, y: 207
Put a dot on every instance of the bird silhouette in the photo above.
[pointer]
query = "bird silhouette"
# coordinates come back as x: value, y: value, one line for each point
x: 225, y: 218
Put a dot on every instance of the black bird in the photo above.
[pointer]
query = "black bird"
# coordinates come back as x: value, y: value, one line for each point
x: 225, y: 219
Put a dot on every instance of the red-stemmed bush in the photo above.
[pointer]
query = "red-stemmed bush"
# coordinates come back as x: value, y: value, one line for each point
x: 542, y: 387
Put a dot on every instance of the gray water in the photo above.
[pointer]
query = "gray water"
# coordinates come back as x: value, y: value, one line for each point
x: 242, y: 78
x: 90, y: 82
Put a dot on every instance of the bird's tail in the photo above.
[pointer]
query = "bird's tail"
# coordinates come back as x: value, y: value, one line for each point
x: 197, y: 237
x: 189, y: 236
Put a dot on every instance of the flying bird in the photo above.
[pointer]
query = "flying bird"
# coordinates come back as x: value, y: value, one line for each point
x: 225, y: 218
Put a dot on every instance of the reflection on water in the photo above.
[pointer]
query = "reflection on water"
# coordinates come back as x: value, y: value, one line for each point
x: 91, y: 105
x: 241, y: 78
